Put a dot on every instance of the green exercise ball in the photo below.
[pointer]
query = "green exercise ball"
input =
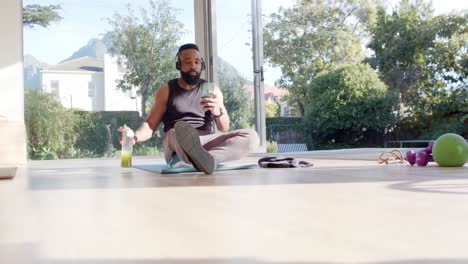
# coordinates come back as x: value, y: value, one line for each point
x: 450, y: 150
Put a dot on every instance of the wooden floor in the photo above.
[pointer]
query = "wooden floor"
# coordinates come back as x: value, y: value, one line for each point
x: 345, y: 209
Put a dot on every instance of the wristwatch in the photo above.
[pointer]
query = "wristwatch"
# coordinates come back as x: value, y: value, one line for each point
x: 220, y: 113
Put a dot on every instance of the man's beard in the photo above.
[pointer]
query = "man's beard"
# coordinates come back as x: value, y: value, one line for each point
x: 189, y: 78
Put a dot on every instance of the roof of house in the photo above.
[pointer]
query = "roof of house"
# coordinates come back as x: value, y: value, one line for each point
x: 271, y: 92
x: 81, y: 64
x: 271, y: 97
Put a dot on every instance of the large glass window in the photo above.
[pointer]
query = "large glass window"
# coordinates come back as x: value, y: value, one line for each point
x: 55, y: 87
x: 344, y: 73
x: 78, y: 56
x: 91, y: 89
x: 358, y: 73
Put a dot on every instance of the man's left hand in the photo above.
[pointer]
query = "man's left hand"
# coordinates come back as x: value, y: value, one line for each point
x: 215, y: 103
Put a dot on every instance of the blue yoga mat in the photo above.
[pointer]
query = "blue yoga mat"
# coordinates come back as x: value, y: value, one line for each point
x: 161, y: 167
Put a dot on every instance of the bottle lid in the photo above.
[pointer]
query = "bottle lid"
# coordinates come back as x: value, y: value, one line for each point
x: 129, y: 134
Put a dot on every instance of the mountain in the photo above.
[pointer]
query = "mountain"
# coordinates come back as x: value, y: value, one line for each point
x: 95, y: 48
x: 107, y: 40
x: 229, y: 71
x: 31, y: 71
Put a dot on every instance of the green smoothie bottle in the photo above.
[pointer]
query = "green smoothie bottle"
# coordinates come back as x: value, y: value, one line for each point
x: 127, y: 149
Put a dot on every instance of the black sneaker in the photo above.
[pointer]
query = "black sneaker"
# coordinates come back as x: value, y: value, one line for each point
x: 189, y: 141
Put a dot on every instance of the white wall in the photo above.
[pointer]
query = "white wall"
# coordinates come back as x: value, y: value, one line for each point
x: 116, y: 100
x: 11, y: 61
x: 13, y: 151
x: 73, y: 88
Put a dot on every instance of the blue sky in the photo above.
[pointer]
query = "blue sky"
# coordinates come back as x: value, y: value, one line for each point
x: 86, y: 19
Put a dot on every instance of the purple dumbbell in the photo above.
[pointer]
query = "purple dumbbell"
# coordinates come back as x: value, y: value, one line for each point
x: 422, y: 158
x: 430, y: 158
x: 428, y: 150
x: 411, y: 157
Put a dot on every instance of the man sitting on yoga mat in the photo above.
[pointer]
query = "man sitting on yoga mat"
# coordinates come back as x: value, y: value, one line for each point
x: 188, y: 119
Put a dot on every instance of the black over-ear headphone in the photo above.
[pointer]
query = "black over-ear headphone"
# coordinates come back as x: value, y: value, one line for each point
x: 184, y: 47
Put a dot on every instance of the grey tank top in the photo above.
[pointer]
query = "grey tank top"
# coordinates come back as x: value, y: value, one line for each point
x: 184, y: 105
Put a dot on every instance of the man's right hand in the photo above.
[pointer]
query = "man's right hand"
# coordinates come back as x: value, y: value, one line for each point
x: 125, y: 128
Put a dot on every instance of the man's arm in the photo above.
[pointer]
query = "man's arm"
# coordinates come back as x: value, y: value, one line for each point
x: 222, y: 122
x: 147, y: 128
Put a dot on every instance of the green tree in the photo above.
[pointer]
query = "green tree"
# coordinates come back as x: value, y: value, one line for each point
x: 37, y: 15
x: 146, y: 46
x: 236, y: 99
x: 424, y: 59
x: 50, y: 126
x: 312, y: 36
x: 272, y: 109
x: 399, y: 41
x: 348, y: 105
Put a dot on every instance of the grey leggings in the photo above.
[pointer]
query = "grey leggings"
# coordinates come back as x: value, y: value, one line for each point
x: 224, y: 147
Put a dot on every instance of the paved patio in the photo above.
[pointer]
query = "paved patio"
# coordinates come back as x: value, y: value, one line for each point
x: 345, y: 209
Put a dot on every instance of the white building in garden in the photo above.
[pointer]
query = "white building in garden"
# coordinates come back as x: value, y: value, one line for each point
x: 89, y: 84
